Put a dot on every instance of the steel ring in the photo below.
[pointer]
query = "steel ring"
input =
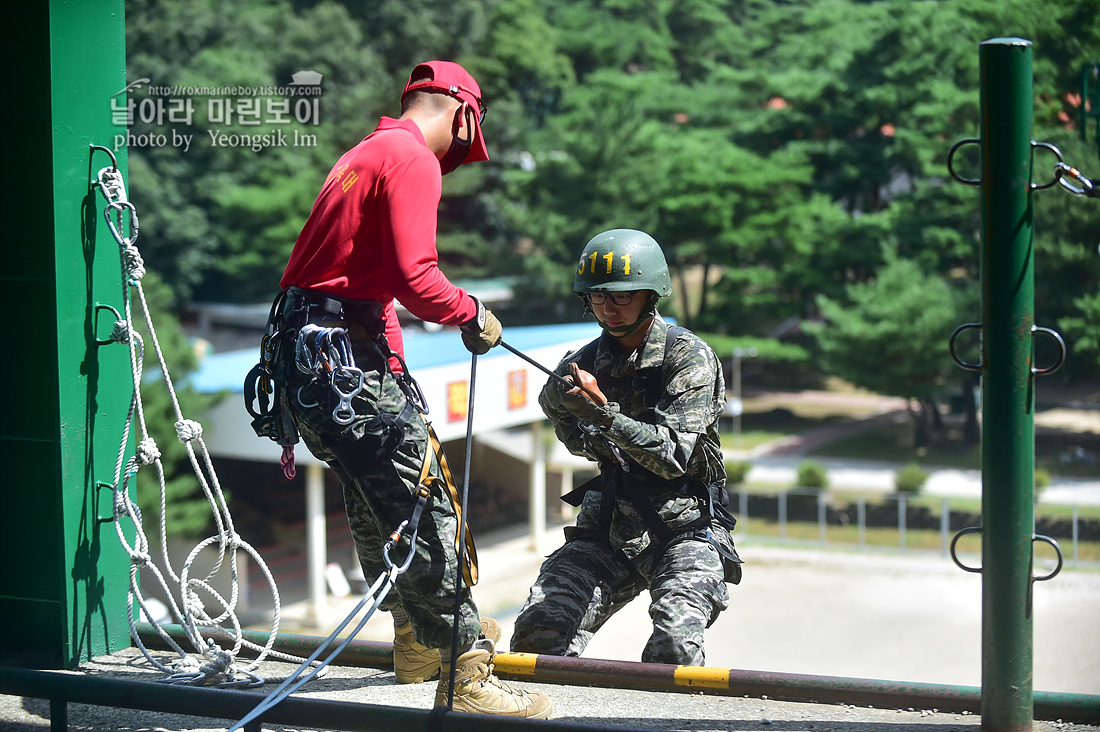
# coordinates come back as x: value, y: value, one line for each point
x: 1061, y: 351
x: 951, y: 155
x: 1057, y: 170
x: 951, y: 347
x: 1057, y: 550
x: 955, y: 558
x: 99, y: 306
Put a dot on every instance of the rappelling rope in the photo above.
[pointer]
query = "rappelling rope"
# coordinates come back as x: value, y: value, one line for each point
x: 375, y: 595
x: 218, y: 666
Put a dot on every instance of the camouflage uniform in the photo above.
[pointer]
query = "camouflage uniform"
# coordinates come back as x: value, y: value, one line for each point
x: 597, y: 572
x: 379, y: 495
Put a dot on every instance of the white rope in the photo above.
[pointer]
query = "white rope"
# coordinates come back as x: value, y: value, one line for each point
x: 218, y: 666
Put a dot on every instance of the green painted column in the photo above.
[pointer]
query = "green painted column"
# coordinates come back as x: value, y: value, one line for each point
x: 1008, y: 444
x: 65, y: 574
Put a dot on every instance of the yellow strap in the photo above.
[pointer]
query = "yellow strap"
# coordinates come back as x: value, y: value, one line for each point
x: 469, y: 564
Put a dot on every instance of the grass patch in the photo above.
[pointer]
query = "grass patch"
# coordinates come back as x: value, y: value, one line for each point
x: 894, y: 444
x: 888, y: 538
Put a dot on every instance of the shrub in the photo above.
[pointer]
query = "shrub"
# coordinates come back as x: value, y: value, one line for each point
x: 812, y: 474
x: 1042, y: 480
x: 910, y: 479
x: 736, y: 471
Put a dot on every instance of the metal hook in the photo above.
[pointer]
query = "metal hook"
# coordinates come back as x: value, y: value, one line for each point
x: 1061, y: 351
x: 951, y: 347
x: 307, y: 406
x: 114, y: 160
x: 1057, y: 170
x: 118, y: 317
x: 951, y: 155
x: 1057, y: 550
x: 955, y: 558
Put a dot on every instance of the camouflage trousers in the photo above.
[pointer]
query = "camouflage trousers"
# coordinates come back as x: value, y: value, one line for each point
x: 379, y: 493
x: 582, y: 584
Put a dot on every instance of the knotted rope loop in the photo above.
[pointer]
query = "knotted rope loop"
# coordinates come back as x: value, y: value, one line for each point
x: 134, y: 264
x: 121, y: 332
x: 188, y: 430
x: 147, y: 451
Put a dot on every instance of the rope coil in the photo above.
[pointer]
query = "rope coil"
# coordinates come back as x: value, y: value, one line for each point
x: 190, y: 609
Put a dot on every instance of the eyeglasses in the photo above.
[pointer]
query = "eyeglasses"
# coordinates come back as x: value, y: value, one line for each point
x: 618, y: 298
x: 482, y: 108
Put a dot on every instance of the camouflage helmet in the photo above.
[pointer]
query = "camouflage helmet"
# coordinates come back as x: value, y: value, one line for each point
x: 621, y: 260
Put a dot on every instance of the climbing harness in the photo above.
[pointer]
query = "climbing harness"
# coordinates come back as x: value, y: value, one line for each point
x: 261, y: 399
x: 319, y: 329
x: 375, y: 595
x: 219, y: 666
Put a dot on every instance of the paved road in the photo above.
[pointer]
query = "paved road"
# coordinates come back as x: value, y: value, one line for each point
x: 912, y: 617
x: 883, y: 615
x: 832, y: 613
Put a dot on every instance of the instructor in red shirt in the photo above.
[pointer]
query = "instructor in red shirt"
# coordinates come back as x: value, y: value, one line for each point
x: 370, y: 239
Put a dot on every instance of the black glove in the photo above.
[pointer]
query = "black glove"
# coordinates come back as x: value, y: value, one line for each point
x: 481, y: 332
x: 551, y: 395
x: 584, y: 408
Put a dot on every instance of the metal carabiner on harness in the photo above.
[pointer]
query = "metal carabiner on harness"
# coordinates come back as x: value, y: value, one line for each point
x: 326, y: 355
x: 592, y: 434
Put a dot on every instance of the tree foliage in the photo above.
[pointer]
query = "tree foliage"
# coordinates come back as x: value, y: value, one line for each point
x: 775, y: 149
x: 890, y: 338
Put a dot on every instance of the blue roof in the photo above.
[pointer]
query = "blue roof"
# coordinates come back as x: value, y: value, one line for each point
x: 226, y: 371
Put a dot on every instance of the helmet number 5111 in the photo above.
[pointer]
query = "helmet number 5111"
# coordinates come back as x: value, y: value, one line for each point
x: 609, y: 259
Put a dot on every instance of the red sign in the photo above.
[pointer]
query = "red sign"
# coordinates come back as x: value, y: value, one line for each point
x: 458, y: 398
x: 517, y: 389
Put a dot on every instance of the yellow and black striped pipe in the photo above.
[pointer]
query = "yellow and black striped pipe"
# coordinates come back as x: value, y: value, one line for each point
x: 1081, y: 708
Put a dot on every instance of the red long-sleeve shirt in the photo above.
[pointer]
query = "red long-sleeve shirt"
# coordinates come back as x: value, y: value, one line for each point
x: 371, y: 233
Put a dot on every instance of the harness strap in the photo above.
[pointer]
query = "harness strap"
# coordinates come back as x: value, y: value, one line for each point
x: 320, y: 305
x: 469, y: 565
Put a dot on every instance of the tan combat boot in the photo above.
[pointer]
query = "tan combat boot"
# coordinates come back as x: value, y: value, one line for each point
x: 414, y: 662
x: 477, y: 689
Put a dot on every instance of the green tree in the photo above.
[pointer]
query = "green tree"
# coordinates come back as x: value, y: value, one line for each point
x: 890, y: 337
x: 220, y: 219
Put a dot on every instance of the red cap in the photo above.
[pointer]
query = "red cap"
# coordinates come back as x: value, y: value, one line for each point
x: 450, y: 78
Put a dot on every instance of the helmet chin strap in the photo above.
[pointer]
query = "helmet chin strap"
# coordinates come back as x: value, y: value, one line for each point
x: 624, y: 332
x: 648, y: 312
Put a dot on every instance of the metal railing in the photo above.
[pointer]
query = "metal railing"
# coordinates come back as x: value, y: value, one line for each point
x: 825, y: 518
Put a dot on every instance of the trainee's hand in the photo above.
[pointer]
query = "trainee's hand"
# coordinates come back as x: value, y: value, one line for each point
x: 583, y: 408
x: 585, y: 383
x: 480, y: 339
x: 552, y: 392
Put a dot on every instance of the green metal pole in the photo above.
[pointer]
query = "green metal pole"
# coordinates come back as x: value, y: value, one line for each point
x: 65, y: 574
x: 1008, y: 439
